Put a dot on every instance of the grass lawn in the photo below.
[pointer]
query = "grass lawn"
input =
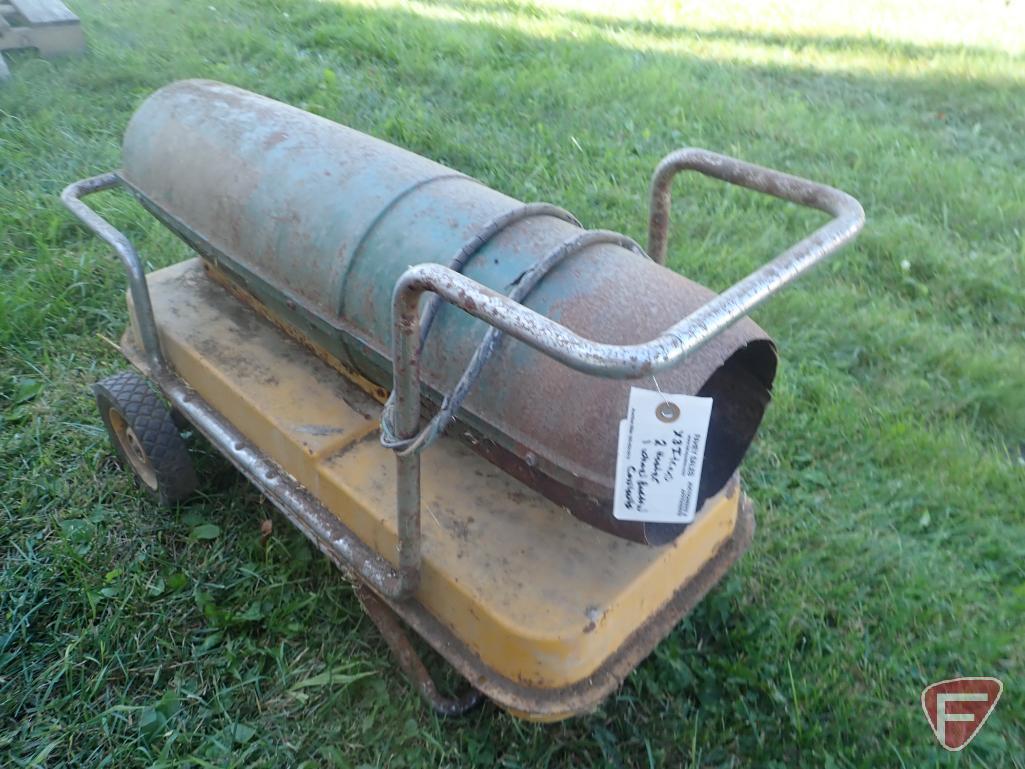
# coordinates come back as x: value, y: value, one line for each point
x: 888, y: 476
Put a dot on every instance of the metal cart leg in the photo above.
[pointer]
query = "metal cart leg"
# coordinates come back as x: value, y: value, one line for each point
x: 409, y: 661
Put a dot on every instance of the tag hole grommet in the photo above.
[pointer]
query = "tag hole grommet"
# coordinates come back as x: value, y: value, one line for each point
x: 667, y: 412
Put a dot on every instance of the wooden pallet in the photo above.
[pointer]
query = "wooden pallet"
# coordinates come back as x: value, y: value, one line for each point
x: 46, y: 25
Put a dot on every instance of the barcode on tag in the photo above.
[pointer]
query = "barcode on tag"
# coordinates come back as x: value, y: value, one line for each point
x: 661, y: 451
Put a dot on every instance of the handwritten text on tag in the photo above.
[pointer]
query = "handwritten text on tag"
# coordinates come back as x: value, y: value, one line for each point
x: 661, y: 450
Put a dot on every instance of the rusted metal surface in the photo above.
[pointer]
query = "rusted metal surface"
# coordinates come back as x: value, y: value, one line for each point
x: 481, y: 239
x: 545, y: 405
x: 540, y: 598
x: 332, y: 537
x: 318, y: 222
x: 356, y: 559
x: 409, y: 661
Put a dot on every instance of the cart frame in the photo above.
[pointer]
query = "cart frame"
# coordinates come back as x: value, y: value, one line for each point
x: 386, y: 590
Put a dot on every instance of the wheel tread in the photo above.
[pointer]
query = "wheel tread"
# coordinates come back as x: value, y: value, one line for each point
x: 150, y: 419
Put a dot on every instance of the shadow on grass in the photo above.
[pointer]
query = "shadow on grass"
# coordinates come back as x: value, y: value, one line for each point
x: 935, y: 102
x: 857, y: 44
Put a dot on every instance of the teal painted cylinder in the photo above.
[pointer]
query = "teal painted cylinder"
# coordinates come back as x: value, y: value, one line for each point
x: 317, y: 221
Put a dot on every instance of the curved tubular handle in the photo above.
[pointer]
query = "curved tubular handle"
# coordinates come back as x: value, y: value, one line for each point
x: 71, y: 197
x: 606, y: 360
x: 848, y: 216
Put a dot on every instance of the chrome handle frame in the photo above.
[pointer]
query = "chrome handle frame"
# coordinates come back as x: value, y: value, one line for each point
x: 667, y: 350
x: 71, y: 197
x: 848, y: 216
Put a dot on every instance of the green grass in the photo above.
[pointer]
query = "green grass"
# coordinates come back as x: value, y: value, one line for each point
x: 888, y: 476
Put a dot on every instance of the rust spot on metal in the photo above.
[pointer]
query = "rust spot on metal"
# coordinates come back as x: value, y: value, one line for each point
x: 274, y: 140
x: 320, y: 430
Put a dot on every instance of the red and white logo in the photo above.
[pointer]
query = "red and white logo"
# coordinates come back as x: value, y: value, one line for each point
x: 958, y: 708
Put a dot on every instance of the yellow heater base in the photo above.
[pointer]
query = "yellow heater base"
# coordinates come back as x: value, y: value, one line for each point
x: 541, y: 612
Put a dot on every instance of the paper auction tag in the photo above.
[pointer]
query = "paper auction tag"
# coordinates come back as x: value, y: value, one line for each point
x: 661, y: 450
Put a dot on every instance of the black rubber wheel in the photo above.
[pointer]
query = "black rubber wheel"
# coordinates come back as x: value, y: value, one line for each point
x: 145, y: 437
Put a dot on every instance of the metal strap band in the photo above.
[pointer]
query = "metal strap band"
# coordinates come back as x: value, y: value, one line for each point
x: 522, y: 287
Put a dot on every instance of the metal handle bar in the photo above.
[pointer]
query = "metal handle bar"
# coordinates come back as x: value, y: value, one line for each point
x: 71, y: 198
x: 679, y: 340
x: 599, y: 359
x: 847, y: 212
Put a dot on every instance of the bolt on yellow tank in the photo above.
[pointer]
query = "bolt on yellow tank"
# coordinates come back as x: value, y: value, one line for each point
x: 427, y: 377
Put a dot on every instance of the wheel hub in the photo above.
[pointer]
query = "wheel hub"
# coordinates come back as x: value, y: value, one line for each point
x: 133, y: 449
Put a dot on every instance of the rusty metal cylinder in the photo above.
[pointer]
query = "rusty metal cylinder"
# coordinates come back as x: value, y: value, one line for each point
x: 316, y: 221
